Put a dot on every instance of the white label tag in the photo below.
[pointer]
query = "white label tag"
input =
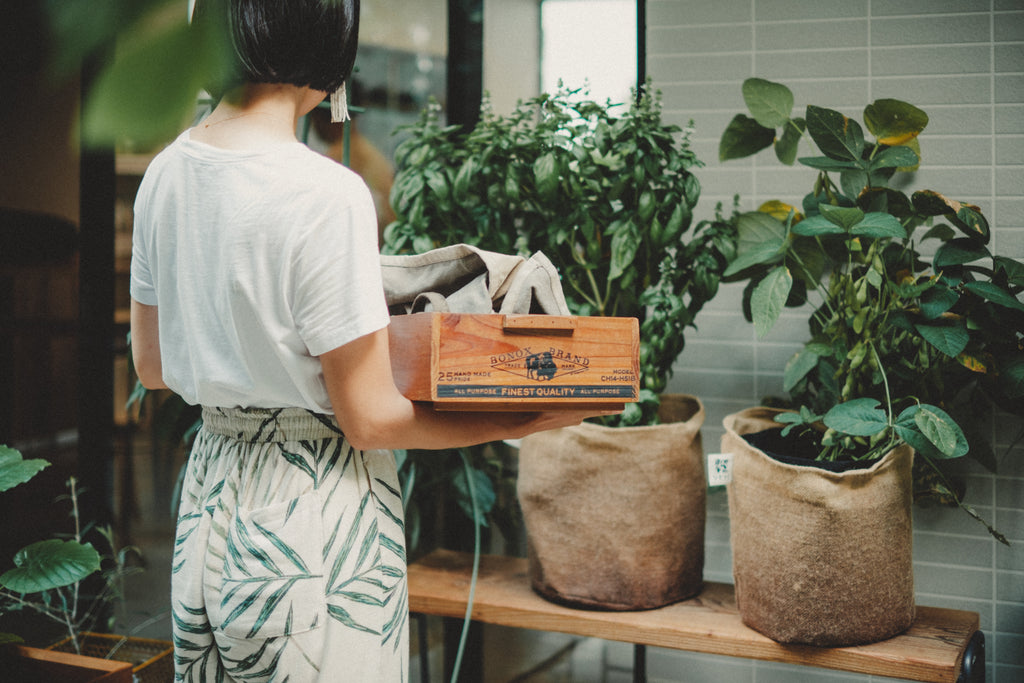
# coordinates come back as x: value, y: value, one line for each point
x: 719, y: 469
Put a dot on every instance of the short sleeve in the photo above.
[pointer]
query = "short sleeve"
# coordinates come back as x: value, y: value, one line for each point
x: 337, y: 288
x: 141, y: 285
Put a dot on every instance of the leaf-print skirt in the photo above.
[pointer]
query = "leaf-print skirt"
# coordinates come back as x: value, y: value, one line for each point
x: 289, y: 561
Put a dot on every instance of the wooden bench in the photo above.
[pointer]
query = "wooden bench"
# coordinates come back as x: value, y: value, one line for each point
x: 942, y: 646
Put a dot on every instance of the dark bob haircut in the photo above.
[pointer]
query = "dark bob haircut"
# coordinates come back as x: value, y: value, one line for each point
x: 300, y: 42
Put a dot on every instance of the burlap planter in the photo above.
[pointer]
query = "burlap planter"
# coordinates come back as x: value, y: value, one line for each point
x: 819, y: 558
x: 615, y: 517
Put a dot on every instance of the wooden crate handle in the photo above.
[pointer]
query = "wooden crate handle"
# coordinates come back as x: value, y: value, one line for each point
x: 550, y: 324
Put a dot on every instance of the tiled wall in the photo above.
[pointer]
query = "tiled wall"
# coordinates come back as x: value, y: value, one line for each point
x: 962, y: 61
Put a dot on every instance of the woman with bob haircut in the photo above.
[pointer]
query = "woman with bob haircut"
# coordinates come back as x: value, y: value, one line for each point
x: 256, y: 293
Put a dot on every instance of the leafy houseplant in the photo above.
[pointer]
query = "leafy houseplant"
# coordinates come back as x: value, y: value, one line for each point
x: 916, y: 327
x: 607, y: 195
x: 48, y: 576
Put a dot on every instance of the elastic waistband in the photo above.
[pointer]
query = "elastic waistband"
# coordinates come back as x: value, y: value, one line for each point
x: 270, y: 425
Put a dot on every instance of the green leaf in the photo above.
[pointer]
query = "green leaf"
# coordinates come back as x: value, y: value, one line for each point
x: 149, y: 91
x: 837, y: 136
x: 483, y: 490
x: 829, y: 164
x: 769, y: 103
x: 625, y: 244
x: 853, y: 182
x: 547, y: 175
x: 769, y: 298
x: 915, y: 147
x: 950, y: 339
x: 941, y: 232
x: 766, y: 253
x: 859, y: 417
x: 787, y: 145
x: 942, y: 433
x: 760, y: 239
x: 798, y: 366
x: 754, y: 228
x: 880, y: 225
x: 894, y: 157
x: 843, y: 216
x: 934, y: 434
x: 937, y: 300
x: 1011, y: 376
x: 677, y: 222
x: 970, y: 220
x: 1014, y: 270
x: 812, y: 263
x: 464, y: 178
x: 887, y: 200
x: 894, y: 122
x: 995, y: 294
x: 959, y: 251
x: 817, y: 225
x: 965, y: 217
x: 14, y: 470
x: 50, y: 564
x: 744, y: 137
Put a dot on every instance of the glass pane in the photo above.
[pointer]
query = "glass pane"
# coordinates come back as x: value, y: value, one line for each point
x: 589, y: 42
x: 400, y: 66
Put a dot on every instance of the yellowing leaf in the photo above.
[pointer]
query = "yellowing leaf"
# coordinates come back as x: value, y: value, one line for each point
x: 780, y: 211
x: 973, y: 363
x: 899, y: 139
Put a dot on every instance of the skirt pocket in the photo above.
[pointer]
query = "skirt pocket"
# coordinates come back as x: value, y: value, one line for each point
x: 272, y: 584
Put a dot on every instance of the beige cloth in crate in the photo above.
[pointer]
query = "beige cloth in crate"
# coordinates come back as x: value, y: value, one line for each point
x: 819, y: 558
x: 465, y: 279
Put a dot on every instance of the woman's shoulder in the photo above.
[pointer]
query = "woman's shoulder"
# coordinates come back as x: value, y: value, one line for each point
x: 313, y: 170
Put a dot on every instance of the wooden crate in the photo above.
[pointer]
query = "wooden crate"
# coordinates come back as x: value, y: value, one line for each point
x: 460, y: 361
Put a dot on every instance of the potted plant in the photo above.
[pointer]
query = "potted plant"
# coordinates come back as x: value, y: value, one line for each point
x: 607, y: 193
x: 55, y: 579
x: 906, y: 350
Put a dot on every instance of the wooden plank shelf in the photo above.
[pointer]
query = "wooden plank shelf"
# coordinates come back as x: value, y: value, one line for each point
x: 942, y: 646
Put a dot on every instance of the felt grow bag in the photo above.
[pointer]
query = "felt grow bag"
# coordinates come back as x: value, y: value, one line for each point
x: 615, y: 516
x: 820, y: 558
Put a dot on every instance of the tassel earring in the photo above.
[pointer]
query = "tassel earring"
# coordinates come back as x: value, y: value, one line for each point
x: 339, y: 105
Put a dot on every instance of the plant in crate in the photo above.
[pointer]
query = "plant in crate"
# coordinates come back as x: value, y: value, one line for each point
x: 915, y: 338
x: 67, y: 580
x: 606, y: 192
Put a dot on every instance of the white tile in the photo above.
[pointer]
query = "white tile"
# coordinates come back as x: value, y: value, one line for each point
x: 780, y: 10
x: 905, y: 7
x: 838, y: 33
x: 944, y: 59
x: 938, y: 30
x: 690, y: 12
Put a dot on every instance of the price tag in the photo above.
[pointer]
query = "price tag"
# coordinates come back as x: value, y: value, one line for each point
x: 719, y: 469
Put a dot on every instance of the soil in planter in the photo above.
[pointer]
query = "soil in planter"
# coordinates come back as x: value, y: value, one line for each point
x: 800, y: 448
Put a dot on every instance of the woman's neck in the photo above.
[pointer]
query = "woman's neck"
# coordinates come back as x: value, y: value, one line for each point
x: 256, y: 115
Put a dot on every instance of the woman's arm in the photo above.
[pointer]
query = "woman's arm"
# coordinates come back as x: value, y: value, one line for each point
x: 374, y: 414
x: 146, y: 346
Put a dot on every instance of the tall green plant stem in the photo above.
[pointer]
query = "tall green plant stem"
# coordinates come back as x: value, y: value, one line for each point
x: 73, y: 615
x: 595, y: 300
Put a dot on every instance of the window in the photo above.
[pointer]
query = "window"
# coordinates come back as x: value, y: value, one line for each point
x: 590, y: 42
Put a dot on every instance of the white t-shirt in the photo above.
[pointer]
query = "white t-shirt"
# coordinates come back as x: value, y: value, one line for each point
x: 259, y: 262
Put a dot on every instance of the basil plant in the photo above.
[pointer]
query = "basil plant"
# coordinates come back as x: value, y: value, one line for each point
x: 606, y: 191
x: 916, y: 326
